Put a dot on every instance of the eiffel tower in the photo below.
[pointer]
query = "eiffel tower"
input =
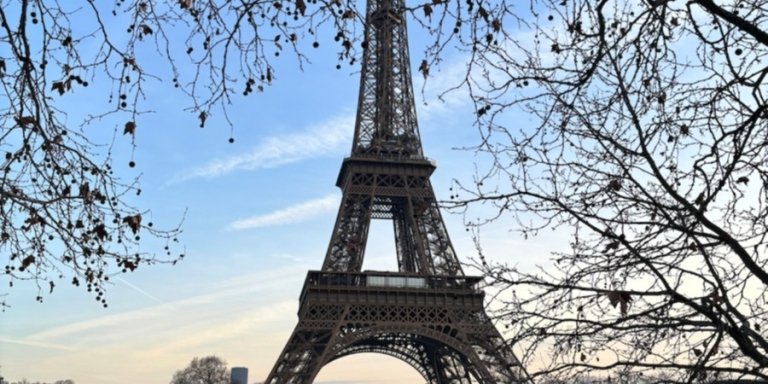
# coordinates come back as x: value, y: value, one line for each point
x: 428, y: 313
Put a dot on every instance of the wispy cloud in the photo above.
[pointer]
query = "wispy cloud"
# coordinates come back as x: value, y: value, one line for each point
x: 293, y: 214
x: 37, y: 344
x: 218, y: 294
x: 139, y: 290
x: 330, y: 136
x: 245, y: 320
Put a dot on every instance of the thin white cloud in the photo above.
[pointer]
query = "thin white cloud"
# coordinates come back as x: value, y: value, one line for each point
x: 245, y: 320
x: 293, y: 214
x: 336, y: 133
x: 139, y: 290
x: 38, y: 344
x: 320, y: 139
x: 240, y: 286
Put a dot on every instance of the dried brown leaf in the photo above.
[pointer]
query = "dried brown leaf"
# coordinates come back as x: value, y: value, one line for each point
x: 133, y: 222
x: 301, y: 6
x: 26, y: 262
x: 496, y: 25
x: 59, y: 87
x: 620, y: 298
x: 25, y: 121
x: 424, y: 68
x: 130, y: 128
x: 612, y: 246
x: 101, y: 232
x: 85, y: 191
x: 483, y: 13
x: 202, y: 116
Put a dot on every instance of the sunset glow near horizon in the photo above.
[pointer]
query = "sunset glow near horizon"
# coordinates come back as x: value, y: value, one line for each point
x: 259, y: 214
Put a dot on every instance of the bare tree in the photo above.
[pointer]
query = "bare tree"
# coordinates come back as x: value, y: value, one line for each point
x: 648, y: 144
x: 204, y: 370
x: 66, y: 214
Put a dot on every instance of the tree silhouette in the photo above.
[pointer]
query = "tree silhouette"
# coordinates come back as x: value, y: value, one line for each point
x: 204, y: 370
x: 66, y: 214
x: 640, y: 129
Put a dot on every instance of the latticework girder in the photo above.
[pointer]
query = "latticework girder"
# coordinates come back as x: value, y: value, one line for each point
x: 386, y: 124
x: 401, y: 192
x: 427, y: 313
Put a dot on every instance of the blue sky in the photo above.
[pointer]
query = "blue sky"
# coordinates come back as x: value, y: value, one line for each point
x: 259, y: 214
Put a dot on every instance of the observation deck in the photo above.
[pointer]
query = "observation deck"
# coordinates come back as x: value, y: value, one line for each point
x: 391, y: 289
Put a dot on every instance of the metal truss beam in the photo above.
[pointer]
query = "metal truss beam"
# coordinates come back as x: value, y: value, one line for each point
x: 427, y: 313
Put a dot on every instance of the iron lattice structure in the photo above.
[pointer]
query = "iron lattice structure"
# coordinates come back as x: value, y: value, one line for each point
x: 428, y: 313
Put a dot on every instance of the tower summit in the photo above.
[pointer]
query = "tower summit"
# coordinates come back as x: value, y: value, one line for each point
x: 427, y: 314
x: 386, y: 125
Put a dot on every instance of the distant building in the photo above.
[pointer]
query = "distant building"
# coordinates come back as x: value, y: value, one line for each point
x: 239, y: 375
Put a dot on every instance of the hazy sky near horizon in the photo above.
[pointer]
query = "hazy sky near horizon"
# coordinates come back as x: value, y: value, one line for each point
x: 259, y: 214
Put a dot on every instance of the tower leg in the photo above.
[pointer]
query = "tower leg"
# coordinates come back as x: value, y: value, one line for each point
x: 350, y: 234
x: 300, y: 360
x: 450, y: 368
